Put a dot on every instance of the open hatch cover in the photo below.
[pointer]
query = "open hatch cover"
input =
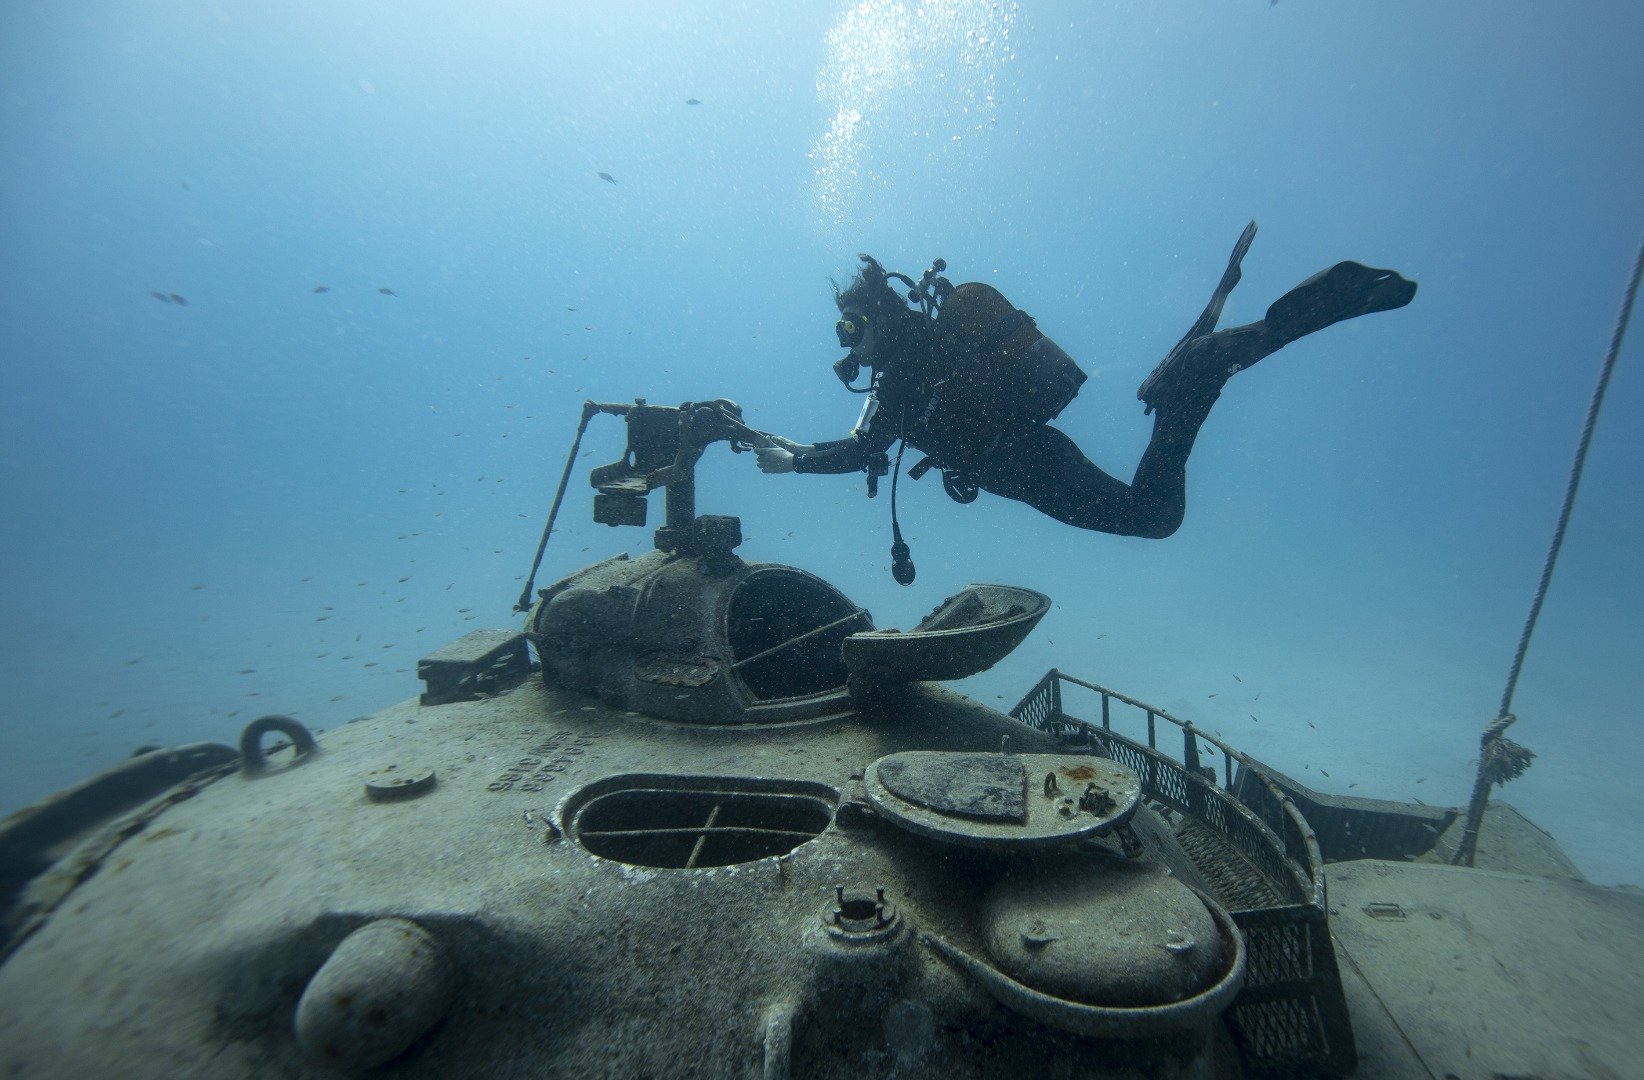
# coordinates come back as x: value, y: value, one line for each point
x: 968, y: 633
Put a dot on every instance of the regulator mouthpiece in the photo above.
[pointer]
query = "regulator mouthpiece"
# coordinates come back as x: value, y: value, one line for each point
x: 847, y: 369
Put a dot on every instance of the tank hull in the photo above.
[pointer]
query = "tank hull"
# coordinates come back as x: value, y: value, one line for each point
x: 188, y: 948
x: 534, y: 882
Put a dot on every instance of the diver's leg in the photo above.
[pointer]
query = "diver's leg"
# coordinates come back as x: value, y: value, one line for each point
x: 1160, y: 483
x: 1042, y: 467
x: 1201, y: 363
x: 1192, y: 377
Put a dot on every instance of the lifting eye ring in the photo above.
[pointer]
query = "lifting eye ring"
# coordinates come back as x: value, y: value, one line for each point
x: 252, y: 761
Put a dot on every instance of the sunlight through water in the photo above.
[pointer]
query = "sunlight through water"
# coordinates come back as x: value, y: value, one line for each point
x: 906, y: 81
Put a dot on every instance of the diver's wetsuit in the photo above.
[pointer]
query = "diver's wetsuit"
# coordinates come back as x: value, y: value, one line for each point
x: 939, y: 393
x: 1039, y: 465
x: 1036, y: 463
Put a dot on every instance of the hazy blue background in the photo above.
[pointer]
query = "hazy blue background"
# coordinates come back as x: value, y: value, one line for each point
x: 190, y: 491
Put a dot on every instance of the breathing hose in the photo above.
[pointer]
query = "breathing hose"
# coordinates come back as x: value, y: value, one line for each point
x: 902, y: 568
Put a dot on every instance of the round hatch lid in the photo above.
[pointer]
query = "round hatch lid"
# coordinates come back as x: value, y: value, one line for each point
x: 1002, y: 800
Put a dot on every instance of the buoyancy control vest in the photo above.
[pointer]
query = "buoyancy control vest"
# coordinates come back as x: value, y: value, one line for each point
x: 1007, y: 370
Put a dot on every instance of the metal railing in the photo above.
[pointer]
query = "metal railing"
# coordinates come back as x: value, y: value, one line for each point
x: 1273, y: 835
x: 1255, y: 847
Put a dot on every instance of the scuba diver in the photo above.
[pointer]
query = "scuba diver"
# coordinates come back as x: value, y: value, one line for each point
x: 967, y: 379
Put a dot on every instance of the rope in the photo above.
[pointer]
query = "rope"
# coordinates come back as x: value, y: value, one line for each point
x: 1501, y: 759
x: 1575, y: 475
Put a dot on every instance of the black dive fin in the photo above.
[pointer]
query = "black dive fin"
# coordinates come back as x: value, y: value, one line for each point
x: 1345, y: 291
x: 1153, y: 386
x: 1230, y: 277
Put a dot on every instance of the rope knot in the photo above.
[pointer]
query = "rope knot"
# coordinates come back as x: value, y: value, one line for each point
x: 1501, y: 759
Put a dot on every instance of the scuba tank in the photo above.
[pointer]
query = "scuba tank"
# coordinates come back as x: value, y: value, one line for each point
x: 1012, y: 371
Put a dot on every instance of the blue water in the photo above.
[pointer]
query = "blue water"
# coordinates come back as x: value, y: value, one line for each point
x: 276, y: 499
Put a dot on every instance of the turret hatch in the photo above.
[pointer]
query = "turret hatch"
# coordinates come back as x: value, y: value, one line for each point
x: 968, y: 633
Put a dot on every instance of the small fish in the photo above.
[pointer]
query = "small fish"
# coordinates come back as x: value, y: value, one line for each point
x: 1322, y: 771
x: 179, y: 300
x: 1312, y: 725
x: 248, y: 671
x: 1237, y: 679
x: 160, y: 296
x: 607, y: 177
x: 386, y: 291
x: 322, y: 288
x: 693, y: 101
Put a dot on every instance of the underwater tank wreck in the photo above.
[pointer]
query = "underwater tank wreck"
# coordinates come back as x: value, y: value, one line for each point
x: 723, y: 826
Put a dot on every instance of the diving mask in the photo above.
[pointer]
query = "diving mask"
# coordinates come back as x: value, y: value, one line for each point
x: 852, y: 328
